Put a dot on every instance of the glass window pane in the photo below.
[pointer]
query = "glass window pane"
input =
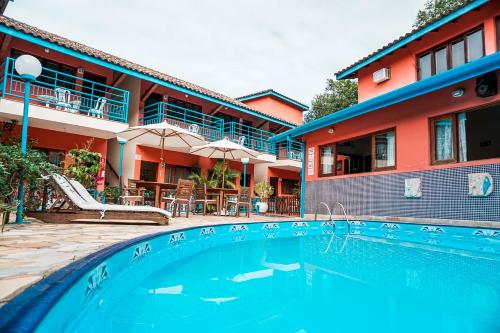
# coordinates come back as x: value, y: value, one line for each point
x: 475, y: 45
x: 326, y: 160
x: 425, y: 66
x: 443, y: 140
x: 457, y: 54
x: 441, y: 60
x: 385, y: 150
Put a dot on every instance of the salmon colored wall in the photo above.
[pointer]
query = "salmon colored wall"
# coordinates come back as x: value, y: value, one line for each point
x: 182, y: 159
x: 49, y: 139
x: 276, y: 108
x: 411, y: 120
x: 403, y: 61
x: 39, y: 51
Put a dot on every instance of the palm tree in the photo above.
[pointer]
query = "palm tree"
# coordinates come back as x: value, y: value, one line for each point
x: 214, y: 178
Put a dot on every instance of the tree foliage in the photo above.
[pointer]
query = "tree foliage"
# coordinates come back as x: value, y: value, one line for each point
x: 338, y: 95
x: 434, y: 9
x: 32, y: 166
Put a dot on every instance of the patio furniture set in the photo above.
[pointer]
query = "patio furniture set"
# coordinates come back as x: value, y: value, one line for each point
x: 186, y: 197
x: 64, y: 100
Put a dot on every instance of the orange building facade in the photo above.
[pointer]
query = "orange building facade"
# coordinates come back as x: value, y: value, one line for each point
x: 423, y: 142
x: 84, y: 97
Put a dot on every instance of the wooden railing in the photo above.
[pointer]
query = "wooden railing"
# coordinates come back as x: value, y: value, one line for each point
x: 285, y: 205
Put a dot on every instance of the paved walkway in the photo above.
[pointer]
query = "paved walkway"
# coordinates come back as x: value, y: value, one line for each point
x: 32, y: 251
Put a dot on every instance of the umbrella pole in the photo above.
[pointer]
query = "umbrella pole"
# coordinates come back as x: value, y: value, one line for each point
x: 223, y: 169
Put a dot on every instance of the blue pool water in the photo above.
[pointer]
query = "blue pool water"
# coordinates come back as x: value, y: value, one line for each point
x: 279, y: 279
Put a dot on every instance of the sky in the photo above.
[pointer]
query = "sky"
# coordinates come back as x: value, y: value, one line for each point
x: 233, y: 47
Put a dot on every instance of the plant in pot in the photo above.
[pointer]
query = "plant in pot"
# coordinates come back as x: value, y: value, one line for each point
x: 263, y: 190
x: 84, y: 166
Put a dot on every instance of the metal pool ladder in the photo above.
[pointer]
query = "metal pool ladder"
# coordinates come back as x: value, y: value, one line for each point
x: 333, y: 223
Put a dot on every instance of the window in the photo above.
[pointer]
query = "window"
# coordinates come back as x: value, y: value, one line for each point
x: 441, y: 60
x: 55, y: 157
x: 457, y: 53
x: 384, y: 150
x: 175, y: 172
x: 466, y: 136
x: 370, y: 153
x: 425, y: 66
x: 497, y: 21
x: 443, y: 140
x: 326, y: 160
x: 475, y: 49
x: 465, y: 48
x: 288, y: 186
x: 148, y: 171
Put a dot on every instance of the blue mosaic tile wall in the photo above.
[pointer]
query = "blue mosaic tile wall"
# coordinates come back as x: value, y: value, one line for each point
x: 444, y: 195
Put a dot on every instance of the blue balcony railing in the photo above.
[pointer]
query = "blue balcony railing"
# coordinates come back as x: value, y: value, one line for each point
x: 289, y: 149
x: 68, y: 93
x: 250, y: 137
x: 206, y: 125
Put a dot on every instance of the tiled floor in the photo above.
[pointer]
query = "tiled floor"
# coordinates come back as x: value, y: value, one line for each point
x: 32, y: 251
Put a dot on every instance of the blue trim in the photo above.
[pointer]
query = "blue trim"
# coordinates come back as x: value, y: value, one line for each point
x: 418, y: 34
x: 25, y: 312
x: 453, y: 76
x: 303, y: 107
x: 303, y: 182
x: 39, y: 41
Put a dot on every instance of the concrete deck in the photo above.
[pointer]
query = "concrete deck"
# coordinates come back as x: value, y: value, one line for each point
x: 30, y: 252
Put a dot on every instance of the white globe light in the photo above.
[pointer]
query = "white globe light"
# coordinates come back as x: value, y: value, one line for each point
x: 27, y: 65
x: 121, y: 140
x: 245, y: 160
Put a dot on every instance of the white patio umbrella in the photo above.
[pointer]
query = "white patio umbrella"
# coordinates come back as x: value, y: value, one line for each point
x: 224, y: 149
x: 157, y: 135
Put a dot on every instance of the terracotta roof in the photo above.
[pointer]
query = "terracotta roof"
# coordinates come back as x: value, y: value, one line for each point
x: 276, y: 94
x: 67, y: 43
x: 402, y: 37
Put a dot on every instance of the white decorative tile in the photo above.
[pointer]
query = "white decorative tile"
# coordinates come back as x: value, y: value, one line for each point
x: 413, y: 187
x: 480, y: 184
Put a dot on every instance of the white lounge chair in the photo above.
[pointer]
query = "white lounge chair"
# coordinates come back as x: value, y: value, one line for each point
x: 78, y: 205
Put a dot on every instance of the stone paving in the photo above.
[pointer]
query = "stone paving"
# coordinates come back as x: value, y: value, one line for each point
x: 30, y: 252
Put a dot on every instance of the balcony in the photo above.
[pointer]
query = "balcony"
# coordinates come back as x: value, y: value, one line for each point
x: 289, y: 150
x: 208, y: 126
x: 64, y: 92
x: 250, y: 137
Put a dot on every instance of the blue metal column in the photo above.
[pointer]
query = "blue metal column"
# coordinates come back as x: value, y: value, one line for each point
x: 24, y: 145
x: 120, y: 166
x: 303, y: 181
x: 244, y: 175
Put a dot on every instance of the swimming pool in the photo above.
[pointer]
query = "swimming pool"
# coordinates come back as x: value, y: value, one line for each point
x: 276, y: 277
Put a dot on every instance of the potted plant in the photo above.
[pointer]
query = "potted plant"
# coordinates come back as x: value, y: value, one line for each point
x: 263, y: 190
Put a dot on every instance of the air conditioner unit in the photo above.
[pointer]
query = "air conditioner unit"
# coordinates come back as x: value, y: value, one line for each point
x: 382, y: 75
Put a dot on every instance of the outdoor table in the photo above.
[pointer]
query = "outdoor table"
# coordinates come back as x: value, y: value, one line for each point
x: 221, y: 194
x: 157, y: 186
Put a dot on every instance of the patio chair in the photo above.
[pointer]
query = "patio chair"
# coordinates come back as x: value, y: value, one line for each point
x: 182, y: 196
x: 131, y: 194
x: 63, y: 97
x: 194, y: 128
x: 77, y: 205
x: 202, y: 197
x: 243, y: 199
x: 98, y: 110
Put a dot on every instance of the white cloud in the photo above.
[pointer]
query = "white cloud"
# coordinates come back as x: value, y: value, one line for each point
x: 233, y: 47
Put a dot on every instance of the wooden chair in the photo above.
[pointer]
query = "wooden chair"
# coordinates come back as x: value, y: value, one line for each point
x: 182, y: 196
x: 132, y: 194
x: 201, y: 197
x: 243, y: 199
